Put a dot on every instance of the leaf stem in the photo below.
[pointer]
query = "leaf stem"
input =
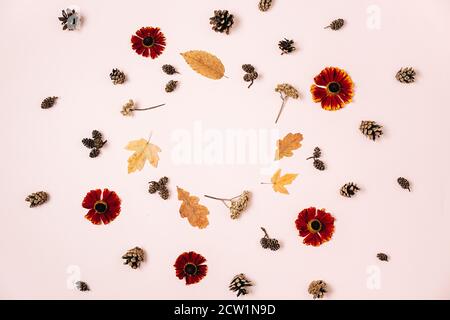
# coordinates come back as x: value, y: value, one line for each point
x: 266, y: 183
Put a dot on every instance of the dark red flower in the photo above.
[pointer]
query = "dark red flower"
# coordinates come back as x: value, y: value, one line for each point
x: 148, y: 41
x: 101, y: 209
x: 333, y: 88
x: 189, y: 265
x: 315, y: 225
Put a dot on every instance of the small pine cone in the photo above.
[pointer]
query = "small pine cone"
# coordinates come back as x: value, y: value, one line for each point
x: 248, y: 68
x: 88, y: 143
x: 336, y: 24
x: 371, y: 129
x: 349, y: 190
x: 82, y: 286
x: 134, y: 257
x: 171, y: 85
x: 406, y: 75
x: 286, y: 46
x: 94, y: 153
x: 222, y: 21
x: 264, y: 5
x: 319, y: 164
x: 383, y: 256
x: 239, y: 284
x: 48, y: 102
x: 163, y: 181
x: 169, y: 69
x: 153, y: 187
x: 317, y: 288
x: 250, y: 76
x: 117, y: 76
x: 97, y: 135
x: 404, y: 183
x: 274, y: 245
x: 37, y: 198
x: 317, y: 152
x: 164, y: 193
x: 264, y: 242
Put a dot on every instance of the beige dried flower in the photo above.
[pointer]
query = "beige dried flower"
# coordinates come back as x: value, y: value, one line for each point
x: 130, y: 106
x: 286, y: 91
x: 236, y: 204
x: 317, y: 288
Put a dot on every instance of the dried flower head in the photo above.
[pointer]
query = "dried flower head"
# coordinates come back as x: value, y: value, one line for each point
x: 130, y: 106
x: 236, y: 204
x: 286, y: 91
x: 317, y: 288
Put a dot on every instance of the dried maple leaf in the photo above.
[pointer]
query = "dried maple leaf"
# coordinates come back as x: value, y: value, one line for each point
x: 196, y: 213
x: 286, y: 145
x: 278, y: 182
x: 143, y: 150
x: 205, y: 63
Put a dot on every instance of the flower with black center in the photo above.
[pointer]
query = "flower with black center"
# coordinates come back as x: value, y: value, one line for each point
x: 148, y: 41
x: 189, y: 265
x: 333, y: 88
x: 102, y: 208
x: 315, y: 225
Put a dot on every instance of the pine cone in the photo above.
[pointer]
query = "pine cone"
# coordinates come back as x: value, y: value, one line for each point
x: 117, y: 76
x: 250, y: 76
x: 406, y: 75
x: 371, y: 129
x: 171, y: 85
x: 404, y: 183
x: 383, y: 257
x: 94, y: 153
x: 88, y: 143
x: 317, y: 152
x: 82, y: 286
x: 169, y: 69
x: 164, y: 193
x: 48, y: 102
x: 317, y: 288
x: 98, y: 139
x: 70, y: 19
x: 286, y: 46
x: 336, y: 24
x: 37, y: 198
x: 222, y: 21
x: 163, y: 181
x: 153, y: 187
x: 264, y: 5
x: 349, y: 190
x: 240, y: 284
x: 319, y: 165
x: 269, y: 243
x: 248, y: 68
x: 134, y: 257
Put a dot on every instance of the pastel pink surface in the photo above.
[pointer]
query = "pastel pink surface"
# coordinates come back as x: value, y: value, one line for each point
x: 43, y: 248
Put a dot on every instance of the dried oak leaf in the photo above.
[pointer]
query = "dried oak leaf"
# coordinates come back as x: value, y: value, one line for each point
x: 143, y: 150
x: 196, y: 213
x: 278, y: 183
x: 286, y: 145
x: 205, y: 63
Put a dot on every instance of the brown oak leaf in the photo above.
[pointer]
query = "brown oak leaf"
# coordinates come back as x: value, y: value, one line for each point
x: 196, y: 213
x: 286, y: 145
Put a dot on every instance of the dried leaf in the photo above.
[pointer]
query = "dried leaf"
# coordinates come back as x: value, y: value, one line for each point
x: 192, y: 210
x: 278, y: 182
x: 144, y: 150
x: 286, y: 145
x: 205, y: 63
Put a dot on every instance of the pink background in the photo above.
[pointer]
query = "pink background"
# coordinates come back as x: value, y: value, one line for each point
x: 41, y: 247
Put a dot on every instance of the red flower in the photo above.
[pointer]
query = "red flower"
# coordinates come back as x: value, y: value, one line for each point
x: 317, y: 226
x: 148, y: 41
x: 101, y: 209
x: 190, y: 265
x: 333, y: 88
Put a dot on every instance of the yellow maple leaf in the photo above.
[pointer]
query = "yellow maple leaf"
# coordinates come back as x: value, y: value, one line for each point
x: 143, y: 150
x: 286, y: 145
x: 196, y: 213
x: 278, y: 183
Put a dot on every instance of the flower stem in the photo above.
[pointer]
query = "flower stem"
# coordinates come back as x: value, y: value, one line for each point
x: 281, y: 108
x: 154, y: 107
x: 221, y: 199
x: 312, y: 157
